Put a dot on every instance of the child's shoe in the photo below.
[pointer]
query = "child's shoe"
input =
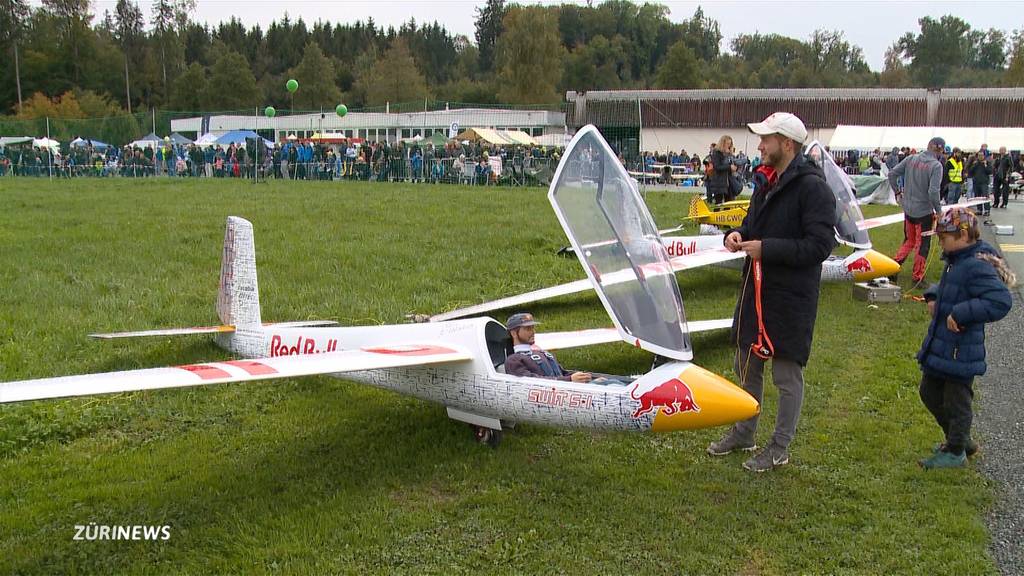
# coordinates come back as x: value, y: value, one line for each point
x: 943, y: 459
x: 970, y: 451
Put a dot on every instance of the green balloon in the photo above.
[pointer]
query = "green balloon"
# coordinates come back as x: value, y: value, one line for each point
x: 341, y: 109
x: 270, y: 112
x: 292, y: 85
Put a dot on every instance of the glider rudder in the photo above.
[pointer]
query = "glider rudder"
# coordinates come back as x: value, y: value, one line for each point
x: 698, y: 208
x: 238, y: 300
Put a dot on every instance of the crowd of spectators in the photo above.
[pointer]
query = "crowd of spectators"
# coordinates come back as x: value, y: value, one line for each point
x: 663, y: 165
x: 723, y: 171
x: 975, y: 172
x: 454, y: 162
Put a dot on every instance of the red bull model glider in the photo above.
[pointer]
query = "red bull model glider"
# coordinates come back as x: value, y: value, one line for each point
x: 459, y: 364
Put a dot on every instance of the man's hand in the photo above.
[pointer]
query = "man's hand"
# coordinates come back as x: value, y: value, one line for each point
x: 733, y: 242
x: 951, y: 324
x: 931, y: 308
x: 752, y: 248
x: 581, y: 377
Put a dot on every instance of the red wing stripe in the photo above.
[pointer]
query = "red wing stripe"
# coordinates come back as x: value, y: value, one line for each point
x: 252, y: 367
x: 205, y: 371
x: 410, y: 350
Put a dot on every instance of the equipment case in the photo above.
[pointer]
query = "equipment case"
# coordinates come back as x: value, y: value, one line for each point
x: 876, y: 291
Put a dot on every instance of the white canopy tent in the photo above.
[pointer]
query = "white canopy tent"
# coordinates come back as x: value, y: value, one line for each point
x: 45, y: 142
x: 503, y: 137
x: 14, y: 140
x: 559, y: 140
x: 83, y: 142
x: 968, y: 139
x: 150, y: 140
x: 206, y: 140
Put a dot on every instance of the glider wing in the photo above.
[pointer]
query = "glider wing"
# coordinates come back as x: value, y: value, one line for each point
x: 369, y: 358
x: 577, y: 338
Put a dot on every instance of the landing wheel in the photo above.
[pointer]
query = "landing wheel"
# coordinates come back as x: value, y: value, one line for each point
x: 488, y: 436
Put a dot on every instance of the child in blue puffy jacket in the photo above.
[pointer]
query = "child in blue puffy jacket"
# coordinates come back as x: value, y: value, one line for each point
x: 973, y: 290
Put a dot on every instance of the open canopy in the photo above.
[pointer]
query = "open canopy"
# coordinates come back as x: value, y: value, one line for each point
x: 179, y: 139
x: 848, y: 214
x: 618, y: 244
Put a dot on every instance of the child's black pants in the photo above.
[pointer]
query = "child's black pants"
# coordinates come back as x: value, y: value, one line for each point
x: 949, y: 401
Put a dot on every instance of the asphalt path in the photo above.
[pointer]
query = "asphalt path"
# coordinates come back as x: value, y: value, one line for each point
x: 999, y: 423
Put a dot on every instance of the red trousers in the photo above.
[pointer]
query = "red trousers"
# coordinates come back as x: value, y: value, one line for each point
x: 915, y: 240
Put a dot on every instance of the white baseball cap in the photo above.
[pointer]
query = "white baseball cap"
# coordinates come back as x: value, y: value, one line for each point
x: 782, y: 123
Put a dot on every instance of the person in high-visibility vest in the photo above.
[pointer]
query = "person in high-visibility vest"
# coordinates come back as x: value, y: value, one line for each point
x: 955, y: 174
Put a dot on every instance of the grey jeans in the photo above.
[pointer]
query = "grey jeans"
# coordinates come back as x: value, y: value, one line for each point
x: 789, y: 379
x: 953, y: 193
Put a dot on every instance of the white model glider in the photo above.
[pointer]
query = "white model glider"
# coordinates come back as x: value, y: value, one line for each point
x: 459, y: 364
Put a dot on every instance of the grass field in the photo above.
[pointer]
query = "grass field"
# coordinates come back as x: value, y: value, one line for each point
x: 317, y: 475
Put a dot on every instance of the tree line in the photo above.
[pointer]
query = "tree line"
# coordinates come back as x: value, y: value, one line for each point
x: 63, y: 60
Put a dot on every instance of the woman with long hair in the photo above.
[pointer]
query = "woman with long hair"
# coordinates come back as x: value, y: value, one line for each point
x: 722, y: 167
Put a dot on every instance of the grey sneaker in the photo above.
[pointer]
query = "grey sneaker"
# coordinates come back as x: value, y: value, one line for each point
x: 729, y: 444
x: 771, y: 457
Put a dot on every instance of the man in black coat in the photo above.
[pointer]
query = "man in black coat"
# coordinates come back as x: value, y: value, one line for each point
x: 789, y: 230
x: 1001, y: 178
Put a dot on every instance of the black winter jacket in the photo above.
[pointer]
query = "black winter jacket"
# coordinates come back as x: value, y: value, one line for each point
x: 718, y: 183
x: 795, y: 221
x: 972, y: 291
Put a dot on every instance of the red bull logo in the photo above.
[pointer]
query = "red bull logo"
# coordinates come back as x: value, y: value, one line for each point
x: 861, y: 264
x: 679, y: 248
x: 672, y: 397
x: 302, y: 346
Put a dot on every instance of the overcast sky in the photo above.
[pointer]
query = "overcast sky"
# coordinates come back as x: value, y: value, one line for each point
x: 872, y: 25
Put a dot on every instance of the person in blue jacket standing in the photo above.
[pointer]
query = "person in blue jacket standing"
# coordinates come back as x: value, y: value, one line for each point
x: 973, y: 290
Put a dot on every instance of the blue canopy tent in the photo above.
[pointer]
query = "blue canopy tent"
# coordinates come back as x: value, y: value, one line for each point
x: 238, y: 137
x: 82, y: 143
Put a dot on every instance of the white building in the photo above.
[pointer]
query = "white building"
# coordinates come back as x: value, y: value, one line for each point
x: 378, y: 126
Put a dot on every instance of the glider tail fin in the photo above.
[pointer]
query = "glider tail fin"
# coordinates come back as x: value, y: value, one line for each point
x: 698, y: 207
x: 238, y: 301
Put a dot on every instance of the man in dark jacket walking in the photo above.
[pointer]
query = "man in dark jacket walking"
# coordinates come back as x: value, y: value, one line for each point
x: 1001, y: 179
x: 789, y: 230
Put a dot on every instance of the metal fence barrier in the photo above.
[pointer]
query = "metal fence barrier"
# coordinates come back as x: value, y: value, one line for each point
x: 515, y: 170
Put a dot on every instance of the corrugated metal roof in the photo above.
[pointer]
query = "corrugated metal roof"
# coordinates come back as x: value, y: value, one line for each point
x: 818, y: 108
x: 798, y: 94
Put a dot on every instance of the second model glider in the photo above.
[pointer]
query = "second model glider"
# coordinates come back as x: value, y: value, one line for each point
x: 689, y: 252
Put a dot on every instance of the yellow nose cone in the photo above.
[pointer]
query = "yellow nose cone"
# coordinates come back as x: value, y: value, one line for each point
x: 878, y: 265
x: 698, y: 398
